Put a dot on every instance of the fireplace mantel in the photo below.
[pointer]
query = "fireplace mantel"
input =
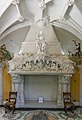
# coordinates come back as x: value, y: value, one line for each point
x: 40, y: 73
x: 41, y: 63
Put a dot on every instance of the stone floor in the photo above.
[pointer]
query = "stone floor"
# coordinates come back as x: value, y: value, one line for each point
x: 41, y: 115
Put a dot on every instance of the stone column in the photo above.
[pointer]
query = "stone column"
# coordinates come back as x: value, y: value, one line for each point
x: 66, y: 83
x: 59, y: 91
x: 63, y: 86
x: 0, y: 85
x: 18, y: 85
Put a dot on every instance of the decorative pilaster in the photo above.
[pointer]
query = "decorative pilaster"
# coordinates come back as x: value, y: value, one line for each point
x: 66, y: 83
x: 63, y: 86
x: 59, y: 97
x: 18, y: 85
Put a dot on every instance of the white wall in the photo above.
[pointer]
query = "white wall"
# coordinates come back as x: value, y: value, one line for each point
x: 38, y: 85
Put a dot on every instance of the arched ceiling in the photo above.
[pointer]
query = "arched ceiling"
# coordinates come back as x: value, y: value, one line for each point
x: 16, y: 16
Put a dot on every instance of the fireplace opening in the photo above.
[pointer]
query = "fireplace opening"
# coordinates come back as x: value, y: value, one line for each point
x: 36, y: 86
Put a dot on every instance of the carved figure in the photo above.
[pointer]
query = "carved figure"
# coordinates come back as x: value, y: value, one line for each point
x: 1, y: 54
x: 40, y: 42
x: 4, y: 53
x: 78, y: 49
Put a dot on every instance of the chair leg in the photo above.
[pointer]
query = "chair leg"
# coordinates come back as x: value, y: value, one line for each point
x: 72, y: 109
x: 65, y: 109
x: 6, y: 110
x: 13, y: 109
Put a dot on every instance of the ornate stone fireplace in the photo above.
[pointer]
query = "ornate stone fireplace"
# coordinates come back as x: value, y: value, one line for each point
x: 60, y: 83
x: 41, y: 59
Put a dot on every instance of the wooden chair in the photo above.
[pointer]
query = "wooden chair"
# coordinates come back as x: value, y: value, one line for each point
x: 11, y: 102
x: 68, y: 104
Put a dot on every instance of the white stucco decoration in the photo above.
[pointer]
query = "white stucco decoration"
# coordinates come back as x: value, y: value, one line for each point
x: 42, y: 5
x: 41, y: 52
x: 70, y: 2
x: 20, y: 16
x: 40, y: 43
x: 43, y: 22
x: 15, y: 2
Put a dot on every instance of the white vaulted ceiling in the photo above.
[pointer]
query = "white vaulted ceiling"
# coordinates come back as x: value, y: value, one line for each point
x: 16, y: 17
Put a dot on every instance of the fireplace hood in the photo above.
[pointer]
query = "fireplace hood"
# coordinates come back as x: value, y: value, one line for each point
x: 41, y: 53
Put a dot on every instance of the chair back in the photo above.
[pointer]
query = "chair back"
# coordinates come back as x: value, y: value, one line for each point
x: 67, y: 97
x: 12, y: 97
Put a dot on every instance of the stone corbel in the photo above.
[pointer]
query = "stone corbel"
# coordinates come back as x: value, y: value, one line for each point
x: 20, y: 17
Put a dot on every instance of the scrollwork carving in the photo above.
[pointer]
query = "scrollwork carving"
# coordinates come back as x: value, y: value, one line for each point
x: 40, y: 62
